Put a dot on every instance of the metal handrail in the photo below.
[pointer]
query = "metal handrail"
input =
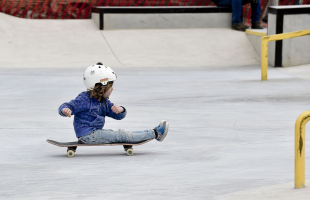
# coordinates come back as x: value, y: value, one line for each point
x: 300, y: 149
x: 266, y: 39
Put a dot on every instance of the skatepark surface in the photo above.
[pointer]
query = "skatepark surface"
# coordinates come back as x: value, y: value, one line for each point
x: 231, y: 135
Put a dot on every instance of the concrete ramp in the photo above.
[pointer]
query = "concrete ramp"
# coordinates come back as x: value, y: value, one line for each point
x: 182, y: 47
x: 51, y: 43
x: 284, y: 191
x: 79, y: 43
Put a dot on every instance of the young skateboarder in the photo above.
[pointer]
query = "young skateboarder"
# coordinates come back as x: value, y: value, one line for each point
x: 91, y: 107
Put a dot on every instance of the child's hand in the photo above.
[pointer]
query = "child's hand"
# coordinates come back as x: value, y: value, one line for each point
x: 117, y: 109
x: 67, y: 112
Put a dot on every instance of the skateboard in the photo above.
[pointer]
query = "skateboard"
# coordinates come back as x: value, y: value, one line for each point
x: 72, y: 146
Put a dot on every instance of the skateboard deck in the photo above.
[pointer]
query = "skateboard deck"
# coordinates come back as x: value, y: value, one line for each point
x: 72, y: 146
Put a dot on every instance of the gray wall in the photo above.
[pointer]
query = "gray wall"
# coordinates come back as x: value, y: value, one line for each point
x: 295, y: 51
x: 164, y: 21
x: 271, y: 31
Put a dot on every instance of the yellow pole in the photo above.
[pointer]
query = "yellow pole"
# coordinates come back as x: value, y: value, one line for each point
x: 300, y: 149
x: 266, y: 39
x: 284, y: 36
x: 264, y: 64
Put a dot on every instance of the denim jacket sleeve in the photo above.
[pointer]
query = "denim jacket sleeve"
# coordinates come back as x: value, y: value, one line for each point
x: 79, y: 104
x: 112, y: 114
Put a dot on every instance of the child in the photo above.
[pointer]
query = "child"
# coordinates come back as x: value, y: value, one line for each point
x: 90, y: 109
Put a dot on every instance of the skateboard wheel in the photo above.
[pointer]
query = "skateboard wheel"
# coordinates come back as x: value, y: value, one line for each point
x: 70, y: 153
x: 130, y: 152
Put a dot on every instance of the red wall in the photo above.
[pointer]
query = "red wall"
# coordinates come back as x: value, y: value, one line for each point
x: 80, y: 9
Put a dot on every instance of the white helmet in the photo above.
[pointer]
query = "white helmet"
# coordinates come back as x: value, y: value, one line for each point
x: 98, y: 73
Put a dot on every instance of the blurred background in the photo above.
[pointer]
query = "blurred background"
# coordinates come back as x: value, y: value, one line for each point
x: 81, y: 9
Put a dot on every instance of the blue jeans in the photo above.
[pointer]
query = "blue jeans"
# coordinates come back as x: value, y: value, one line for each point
x: 107, y: 136
x: 236, y: 6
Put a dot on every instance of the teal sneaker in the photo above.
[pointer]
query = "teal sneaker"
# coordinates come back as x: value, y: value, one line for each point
x: 161, y: 132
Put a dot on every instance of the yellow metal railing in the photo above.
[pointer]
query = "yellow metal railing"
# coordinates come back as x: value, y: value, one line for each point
x: 267, y: 39
x: 300, y: 149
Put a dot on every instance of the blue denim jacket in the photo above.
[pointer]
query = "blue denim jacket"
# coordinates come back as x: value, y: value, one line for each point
x: 89, y: 113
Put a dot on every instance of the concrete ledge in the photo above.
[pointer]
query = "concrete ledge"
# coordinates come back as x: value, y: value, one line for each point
x: 255, y: 37
x: 261, y: 32
x: 289, y: 10
x: 169, y: 17
x: 284, y: 19
x: 162, y: 9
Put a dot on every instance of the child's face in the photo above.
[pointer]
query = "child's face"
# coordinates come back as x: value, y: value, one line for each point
x: 108, y: 92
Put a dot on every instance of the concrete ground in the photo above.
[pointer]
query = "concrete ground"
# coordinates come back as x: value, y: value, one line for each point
x: 231, y: 135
